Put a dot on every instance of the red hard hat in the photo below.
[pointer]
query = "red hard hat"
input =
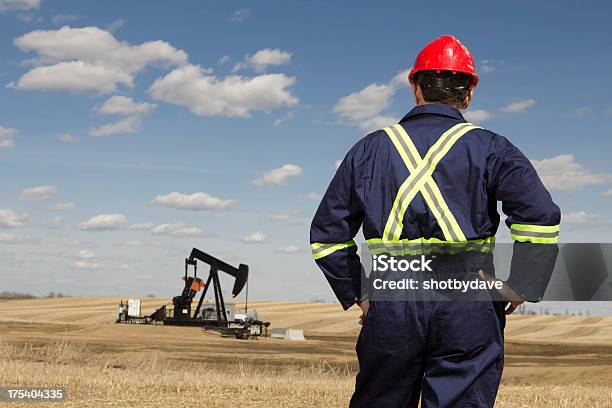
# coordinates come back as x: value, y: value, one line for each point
x: 445, y: 53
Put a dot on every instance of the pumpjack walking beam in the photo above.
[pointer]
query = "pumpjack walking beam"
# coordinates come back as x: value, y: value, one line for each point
x: 240, y: 274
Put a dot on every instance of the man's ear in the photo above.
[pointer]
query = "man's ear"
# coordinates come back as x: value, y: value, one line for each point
x: 416, y: 92
x: 468, y: 99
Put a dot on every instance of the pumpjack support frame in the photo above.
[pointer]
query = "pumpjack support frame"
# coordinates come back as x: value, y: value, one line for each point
x: 182, y: 314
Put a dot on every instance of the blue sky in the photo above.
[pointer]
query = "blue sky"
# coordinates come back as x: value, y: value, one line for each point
x: 108, y: 108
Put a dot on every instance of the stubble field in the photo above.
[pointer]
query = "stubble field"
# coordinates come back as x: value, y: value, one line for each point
x: 551, y: 361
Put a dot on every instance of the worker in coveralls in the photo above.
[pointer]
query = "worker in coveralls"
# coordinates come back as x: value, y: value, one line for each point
x: 427, y: 184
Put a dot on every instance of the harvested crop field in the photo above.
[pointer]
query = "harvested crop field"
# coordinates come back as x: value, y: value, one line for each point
x: 550, y: 361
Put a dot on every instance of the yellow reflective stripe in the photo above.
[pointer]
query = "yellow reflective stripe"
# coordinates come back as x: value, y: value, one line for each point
x: 404, y: 145
x: 405, y: 195
x: 535, y: 228
x: 445, y: 217
x: 537, y: 234
x: 420, y: 179
x: 445, y: 142
x: 419, y: 246
x: 320, y: 250
x: 535, y: 240
x: 428, y: 241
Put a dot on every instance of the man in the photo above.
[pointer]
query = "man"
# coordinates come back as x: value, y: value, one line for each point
x: 433, y: 180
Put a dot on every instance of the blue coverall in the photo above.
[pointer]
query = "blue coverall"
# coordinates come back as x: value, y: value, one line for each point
x: 431, y: 178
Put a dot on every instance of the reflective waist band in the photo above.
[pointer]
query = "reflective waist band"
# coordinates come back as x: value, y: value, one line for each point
x: 422, y: 246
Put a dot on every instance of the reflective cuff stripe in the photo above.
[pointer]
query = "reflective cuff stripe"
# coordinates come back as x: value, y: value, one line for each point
x: 535, y: 228
x: 537, y: 234
x: 320, y: 250
x: 422, y: 246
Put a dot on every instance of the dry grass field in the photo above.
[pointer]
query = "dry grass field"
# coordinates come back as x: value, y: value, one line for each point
x: 550, y: 361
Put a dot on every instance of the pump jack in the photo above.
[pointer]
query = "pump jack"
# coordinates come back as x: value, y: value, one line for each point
x: 210, y: 319
x: 182, y: 304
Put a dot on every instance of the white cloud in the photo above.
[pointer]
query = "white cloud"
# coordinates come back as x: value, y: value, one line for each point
x: 62, y: 206
x: 264, y: 58
x: 487, y: 66
x: 6, y: 137
x: 579, y: 217
x: 37, y: 193
x: 94, y: 44
x: 176, y: 230
x: 85, y: 265
x: 255, y: 237
x: 7, y: 143
x: 115, y: 25
x: 124, y: 105
x: 55, y: 221
x: 74, y: 76
x: 240, y: 15
x: 278, y: 177
x: 29, y: 18
x: 7, y: 132
x: 366, y: 108
x: 401, y: 79
x: 85, y: 254
x: 364, y: 104
x: 131, y: 124
x: 313, y: 196
x: 295, y: 216
x: 289, y: 249
x: 127, y: 267
x: 607, y: 193
x: 563, y: 173
x: 377, y: 122
x: 143, y: 226
x: 204, y: 94
x: 519, y: 106
x: 477, y: 115
x: 278, y: 216
x: 11, y: 239
x: 195, y: 202
x: 10, y: 219
x: 224, y: 59
x: 134, y: 243
x: 89, y: 59
x: 64, y: 18
x: 67, y: 138
x: 285, y: 118
x: 9, y: 5
x: 104, y: 222
x: 582, y: 111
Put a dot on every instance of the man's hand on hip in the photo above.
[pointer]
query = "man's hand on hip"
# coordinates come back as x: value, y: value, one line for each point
x: 506, y: 291
x: 365, y: 306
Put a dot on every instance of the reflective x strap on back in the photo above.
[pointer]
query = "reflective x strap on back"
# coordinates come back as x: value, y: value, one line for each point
x: 320, y: 250
x: 420, y: 179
